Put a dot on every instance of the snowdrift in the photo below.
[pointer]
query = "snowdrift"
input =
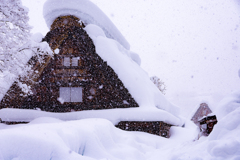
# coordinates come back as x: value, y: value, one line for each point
x: 49, y: 138
x: 88, y: 139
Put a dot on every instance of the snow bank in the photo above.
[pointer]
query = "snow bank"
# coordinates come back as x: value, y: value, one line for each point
x: 84, y: 140
x: 113, y: 115
x: 224, y: 141
x: 228, y: 105
x: 134, y: 78
x: 87, y: 12
x: 49, y: 138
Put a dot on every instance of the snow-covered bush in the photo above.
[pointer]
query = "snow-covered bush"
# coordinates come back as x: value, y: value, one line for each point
x: 14, y: 30
x: 159, y: 83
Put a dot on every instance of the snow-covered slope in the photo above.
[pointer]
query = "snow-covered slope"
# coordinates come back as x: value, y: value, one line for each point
x: 90, y: 139
x: 134, y: 78
x: 113, y: 115
x: 87, y: 12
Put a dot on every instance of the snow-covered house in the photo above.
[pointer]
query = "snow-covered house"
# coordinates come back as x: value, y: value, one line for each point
x: 92, y: 74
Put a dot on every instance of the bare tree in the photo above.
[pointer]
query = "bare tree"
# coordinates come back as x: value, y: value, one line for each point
x: 159, y: 83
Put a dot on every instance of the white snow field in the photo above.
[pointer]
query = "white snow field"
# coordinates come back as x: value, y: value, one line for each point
x: 91, y: 135
x: 49, y: 138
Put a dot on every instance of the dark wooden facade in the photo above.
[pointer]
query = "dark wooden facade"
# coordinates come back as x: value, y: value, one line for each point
x: 76, y: 67
x: 158, y: 128
x: 207, y: 124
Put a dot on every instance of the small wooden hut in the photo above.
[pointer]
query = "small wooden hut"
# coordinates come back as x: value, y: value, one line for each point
x: 202, y: 111
x: 204, y: 120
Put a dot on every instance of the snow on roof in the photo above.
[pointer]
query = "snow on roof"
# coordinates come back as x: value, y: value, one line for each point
x: 113, y: 115
x: 194, y: 111
x: 115, y: 53
x: 87, y: 12
x: 9, y: 76
x: 153, y: 105
x: 134, y: 78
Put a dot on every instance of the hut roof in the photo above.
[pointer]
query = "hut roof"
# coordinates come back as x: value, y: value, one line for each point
x: 135, y: 79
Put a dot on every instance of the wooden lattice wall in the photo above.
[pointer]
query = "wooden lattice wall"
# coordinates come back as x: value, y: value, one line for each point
x: 100, y: 85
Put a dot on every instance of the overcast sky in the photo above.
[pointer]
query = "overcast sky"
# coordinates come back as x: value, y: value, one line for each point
x: 193, y: 46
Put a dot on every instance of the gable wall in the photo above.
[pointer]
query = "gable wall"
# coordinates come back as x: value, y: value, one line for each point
x: 202, y: 111
x: 101, y: 87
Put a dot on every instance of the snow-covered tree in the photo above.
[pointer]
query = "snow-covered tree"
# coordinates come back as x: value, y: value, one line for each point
x: 159, y: 83
x: 14, y: 30
x: 16, y: 46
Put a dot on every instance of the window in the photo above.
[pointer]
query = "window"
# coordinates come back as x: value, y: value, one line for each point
x: 75, y: 61
x: 70, y: 61
x: 66, y: 61
x: 71, y: 94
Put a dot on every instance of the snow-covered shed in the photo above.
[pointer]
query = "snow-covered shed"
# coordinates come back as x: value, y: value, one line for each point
x: 204, y: 118
x: 92, y: 74
x: 200, y: 112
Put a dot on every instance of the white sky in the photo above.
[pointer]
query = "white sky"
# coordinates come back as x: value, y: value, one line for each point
x: 193, y: 46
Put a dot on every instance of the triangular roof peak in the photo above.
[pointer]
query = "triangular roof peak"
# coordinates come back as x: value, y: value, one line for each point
x: 202, y: 111
x: 66, y: 22
x: 85, y: 10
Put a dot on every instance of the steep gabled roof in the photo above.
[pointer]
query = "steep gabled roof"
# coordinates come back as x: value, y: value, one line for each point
x: 85, y: 10
x: 200, y: 112
x: 134, y: 78
x: 99, y: 27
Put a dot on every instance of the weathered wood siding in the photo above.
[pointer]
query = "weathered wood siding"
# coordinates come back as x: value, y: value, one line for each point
x: 153, y: 127
x: 101, y: 87
x: 202, y: 111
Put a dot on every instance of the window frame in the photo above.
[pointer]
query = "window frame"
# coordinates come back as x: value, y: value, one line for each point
x: 71, y: 95
x: 72, y: 62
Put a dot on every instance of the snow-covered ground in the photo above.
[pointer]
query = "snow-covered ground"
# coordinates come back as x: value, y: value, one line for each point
x: 49, y: 138
x: 191, y: 80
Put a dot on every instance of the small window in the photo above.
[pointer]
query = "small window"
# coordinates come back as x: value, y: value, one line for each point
x: 75, y: 61
x: 65, y: 94
x: 76, y: 94
x: 70, y: 94
x: 70, y: 61
x: 66, y: 61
